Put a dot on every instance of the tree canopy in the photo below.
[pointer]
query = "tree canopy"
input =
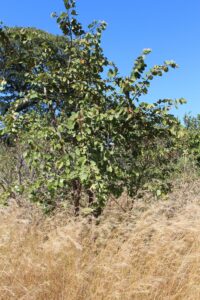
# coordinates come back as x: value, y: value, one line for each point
x: 21, y: 54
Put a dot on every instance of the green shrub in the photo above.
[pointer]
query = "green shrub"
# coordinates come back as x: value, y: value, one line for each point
x: 85, y: 133
x: 192, y: 139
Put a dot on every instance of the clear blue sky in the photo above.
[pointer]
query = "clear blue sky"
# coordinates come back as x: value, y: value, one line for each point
x: 170, y: 27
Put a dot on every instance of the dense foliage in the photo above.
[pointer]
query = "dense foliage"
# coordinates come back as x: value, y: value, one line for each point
x: 192, y: 137
x: 83, y: 132
x: 21, y: 50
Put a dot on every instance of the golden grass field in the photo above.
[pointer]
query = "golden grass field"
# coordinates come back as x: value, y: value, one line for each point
x: 152, y: 252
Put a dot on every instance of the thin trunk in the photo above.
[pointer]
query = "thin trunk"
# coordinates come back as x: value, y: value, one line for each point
x: 76, y: 196
x: 20, y: 166
x: 90, y: 197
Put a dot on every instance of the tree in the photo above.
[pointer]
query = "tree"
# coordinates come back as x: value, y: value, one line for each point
x: 21, y: 54
x: 88, y: 132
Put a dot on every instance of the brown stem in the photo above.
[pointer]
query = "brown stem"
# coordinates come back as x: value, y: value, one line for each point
x: 90, y: 197
x: 20, y: 166
x: 118, y: 204
x: 76, y: 196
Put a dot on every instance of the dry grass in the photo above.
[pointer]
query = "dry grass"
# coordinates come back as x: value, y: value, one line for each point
x: 152, y: 252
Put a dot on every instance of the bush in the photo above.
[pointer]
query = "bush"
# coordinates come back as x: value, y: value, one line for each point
x: 192, y: 139
x: 14, y: 172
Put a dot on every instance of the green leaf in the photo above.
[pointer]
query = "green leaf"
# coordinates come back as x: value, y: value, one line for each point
x: 158, y: 193
x: 147, y: 51
x: 74, y: 13
x: 110, y: 169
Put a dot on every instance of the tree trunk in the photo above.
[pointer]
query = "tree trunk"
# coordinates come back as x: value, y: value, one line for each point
x: 76, y: 196
x: 90, y: 197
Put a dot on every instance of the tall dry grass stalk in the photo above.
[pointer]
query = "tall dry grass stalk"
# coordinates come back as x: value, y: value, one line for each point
x: 152, y: 252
